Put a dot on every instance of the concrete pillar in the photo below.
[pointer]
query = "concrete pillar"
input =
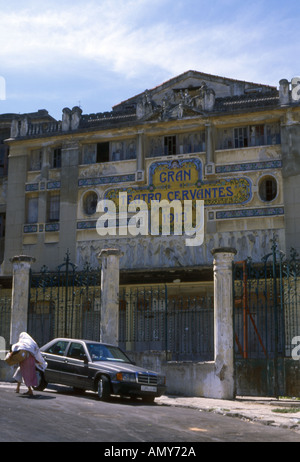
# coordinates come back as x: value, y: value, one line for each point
x: 110, y: 277
x: 223, y: 322
x: 20, y: 296
x: 68, y: 199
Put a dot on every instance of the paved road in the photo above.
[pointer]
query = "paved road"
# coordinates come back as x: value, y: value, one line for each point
x: 59, y: 415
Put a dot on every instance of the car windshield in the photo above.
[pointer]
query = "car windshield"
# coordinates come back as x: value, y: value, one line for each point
x: 106, y: 353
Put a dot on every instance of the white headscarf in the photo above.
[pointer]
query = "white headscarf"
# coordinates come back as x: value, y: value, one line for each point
x: 28, y: 344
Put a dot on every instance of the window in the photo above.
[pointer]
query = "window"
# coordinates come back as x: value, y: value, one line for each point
x: 191, y: 142
x: 58, y: 348
x: 89, y: 154
x: 103, y: 152
x: 77, y: 351
x: 93, y: 153
x: 252, y: 135
x: 53, y: 207
x: 170, y: 146
x: 32, y: 210
x: 267, y: 189
x: 56, y: 158
x: 90, y: 201
x: 273, y: 134
x: 257, y: 135
x: 123, y: 150
x: 36, y: 160
x: 241, y: 137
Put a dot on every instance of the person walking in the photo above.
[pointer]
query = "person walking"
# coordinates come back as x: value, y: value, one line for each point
x: 27, y: 368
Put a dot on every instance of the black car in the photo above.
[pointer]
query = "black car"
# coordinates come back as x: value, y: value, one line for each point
x: 105, y: 369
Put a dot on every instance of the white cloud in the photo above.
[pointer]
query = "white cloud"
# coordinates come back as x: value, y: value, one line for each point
x: 143, y: 42
x: 118, y: 35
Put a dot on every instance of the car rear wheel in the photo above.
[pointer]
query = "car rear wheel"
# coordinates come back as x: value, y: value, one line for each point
x: 103, y: 388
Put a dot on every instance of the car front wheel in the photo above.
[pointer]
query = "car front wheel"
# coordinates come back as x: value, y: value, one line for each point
x: 103, y: 388
x: 148, y: 399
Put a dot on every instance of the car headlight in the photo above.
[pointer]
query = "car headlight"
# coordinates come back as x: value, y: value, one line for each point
x: 126, y: 377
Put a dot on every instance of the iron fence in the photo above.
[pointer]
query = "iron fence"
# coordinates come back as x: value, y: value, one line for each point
x: 151, y: 319
x: 65, y: 303
x: 267, y: 305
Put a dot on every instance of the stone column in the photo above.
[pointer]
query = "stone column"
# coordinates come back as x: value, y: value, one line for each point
x: 110, y: 277
x: 223, y: 322
x: 20, y: 296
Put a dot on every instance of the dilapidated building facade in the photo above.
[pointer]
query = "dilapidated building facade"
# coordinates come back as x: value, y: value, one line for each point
x: 234, y: 145
x: 230, y: 143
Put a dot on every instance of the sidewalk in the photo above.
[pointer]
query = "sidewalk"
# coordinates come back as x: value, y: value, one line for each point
x: 284, y: 413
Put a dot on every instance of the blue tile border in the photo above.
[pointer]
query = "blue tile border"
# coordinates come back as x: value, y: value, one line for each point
x: 51, y: 227
x: 250, y: 213
x: 91, y: 224
x: 32, y: 187
x: 248, y: 166
x: 27, y: 229
x: 106, y: 180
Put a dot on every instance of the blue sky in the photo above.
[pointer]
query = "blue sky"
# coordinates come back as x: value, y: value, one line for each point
x: 96, y: 53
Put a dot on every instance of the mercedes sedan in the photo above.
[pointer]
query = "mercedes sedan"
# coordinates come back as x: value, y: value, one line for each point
x: 105, y: 369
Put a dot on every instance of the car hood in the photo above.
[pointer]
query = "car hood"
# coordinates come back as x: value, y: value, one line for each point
x: 116, y: 366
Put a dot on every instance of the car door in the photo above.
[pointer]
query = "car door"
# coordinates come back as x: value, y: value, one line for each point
x: 77, y: 367
x: 56, y: 359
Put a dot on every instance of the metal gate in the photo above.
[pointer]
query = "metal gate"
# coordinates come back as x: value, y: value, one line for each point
x: 266, y: 314
x: 64, y: 303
